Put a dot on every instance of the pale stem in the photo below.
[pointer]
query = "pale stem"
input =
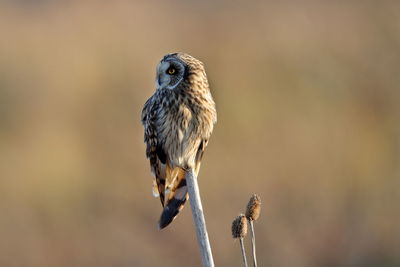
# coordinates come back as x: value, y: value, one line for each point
x: 253, y: 242
x: 198, y: 218
x: 243, y: 252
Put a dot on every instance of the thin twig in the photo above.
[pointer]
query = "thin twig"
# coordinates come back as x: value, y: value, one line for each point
x: 243, y: 252
x: 253, y: 242
x: 198, y: 218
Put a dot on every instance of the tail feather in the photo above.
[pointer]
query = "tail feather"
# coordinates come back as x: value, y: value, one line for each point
x: 159, y: 171
x: 176, y: 200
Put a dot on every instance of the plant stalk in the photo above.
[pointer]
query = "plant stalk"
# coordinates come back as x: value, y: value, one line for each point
x: 253, y: 242
x: 198, y: 218
x: 243, y: 252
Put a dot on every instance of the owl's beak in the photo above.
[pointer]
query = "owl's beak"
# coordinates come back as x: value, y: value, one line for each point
x: 159, y: 80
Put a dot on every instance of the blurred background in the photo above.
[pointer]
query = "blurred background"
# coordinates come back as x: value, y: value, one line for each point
x: 308, y: 118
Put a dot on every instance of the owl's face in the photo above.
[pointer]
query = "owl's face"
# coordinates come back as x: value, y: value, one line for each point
x: 170, y: 72
x: 175, y: 68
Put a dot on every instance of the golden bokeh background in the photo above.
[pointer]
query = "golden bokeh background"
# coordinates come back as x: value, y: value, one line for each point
x: 308, y: 102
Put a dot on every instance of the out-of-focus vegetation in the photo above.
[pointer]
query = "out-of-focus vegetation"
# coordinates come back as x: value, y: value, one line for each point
x: 308, y: 118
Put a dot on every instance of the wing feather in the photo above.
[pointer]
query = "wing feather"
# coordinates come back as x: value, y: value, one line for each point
x: 154, y: 150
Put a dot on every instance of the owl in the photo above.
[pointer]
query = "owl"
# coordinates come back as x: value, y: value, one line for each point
x: 178, y: 120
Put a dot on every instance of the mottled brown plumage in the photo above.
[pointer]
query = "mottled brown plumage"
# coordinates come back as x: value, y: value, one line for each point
x: 178, y: 121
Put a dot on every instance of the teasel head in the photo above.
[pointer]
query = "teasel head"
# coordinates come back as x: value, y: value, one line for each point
x: 253, y: 208
x: 239, y: 227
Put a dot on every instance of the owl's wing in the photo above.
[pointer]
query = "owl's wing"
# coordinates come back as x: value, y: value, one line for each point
x: 154, y: 151
x: 199, y: 154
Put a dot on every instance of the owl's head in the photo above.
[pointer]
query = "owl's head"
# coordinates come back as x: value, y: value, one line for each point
x: 176, y: 68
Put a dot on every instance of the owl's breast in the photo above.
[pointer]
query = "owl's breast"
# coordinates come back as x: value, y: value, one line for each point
x: 181, y: 130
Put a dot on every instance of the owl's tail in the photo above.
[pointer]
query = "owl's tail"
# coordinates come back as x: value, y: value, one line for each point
x: 176, y: 199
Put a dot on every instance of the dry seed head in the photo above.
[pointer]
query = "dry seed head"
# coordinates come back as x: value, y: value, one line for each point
x: 239, y: 227
x: 253, y: 208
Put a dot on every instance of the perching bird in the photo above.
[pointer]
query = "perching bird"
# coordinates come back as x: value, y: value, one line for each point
x: 178, y: 120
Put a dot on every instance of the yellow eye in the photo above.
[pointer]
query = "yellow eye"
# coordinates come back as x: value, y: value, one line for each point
x: 171, y: 70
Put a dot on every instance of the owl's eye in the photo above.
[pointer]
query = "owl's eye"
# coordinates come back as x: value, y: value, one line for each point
x: 171, y: 70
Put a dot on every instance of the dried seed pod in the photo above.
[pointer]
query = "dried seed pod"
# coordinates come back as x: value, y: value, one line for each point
x: 239, y: 227
x: 253, y: 208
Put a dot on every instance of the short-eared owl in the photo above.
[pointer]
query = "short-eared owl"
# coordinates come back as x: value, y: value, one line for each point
x: 178, y: 121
